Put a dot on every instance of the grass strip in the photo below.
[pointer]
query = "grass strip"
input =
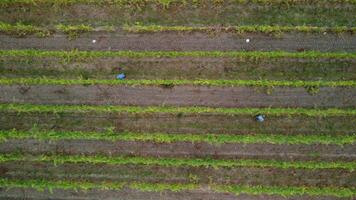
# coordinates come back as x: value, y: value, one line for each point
x: 171, y: 83
x: 285, y: 191
x: 164, y: 3
x: 74, y: 31
x: 83, y: 55
x: 180, y: 162
x: 239, y: 29
x: 29, y: 108
x: 169, y: 138
x: 21, y: 30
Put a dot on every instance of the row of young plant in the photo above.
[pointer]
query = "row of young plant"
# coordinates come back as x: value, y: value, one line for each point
x: 171, y: 83
x: 215, y: 139
x: 285, y: 191
x: 41, y: 108
x: 180, y: 162
x: 74, y: 31
x: 83, y: 55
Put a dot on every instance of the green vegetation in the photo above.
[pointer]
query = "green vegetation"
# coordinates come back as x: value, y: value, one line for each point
x: 82, y: 55
x: 25, y: 108
x: 178, y: 162
x: 168, y: 138
x: 74, y: 31
x: 21, y: 30
x: 239, y: 29
x: 176, y: 187
x: 172, y: 83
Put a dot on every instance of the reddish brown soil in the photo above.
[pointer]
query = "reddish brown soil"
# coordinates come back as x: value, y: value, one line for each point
x: 152, y: 173
x: 184, y: 149
x: 180, y: 123
x: 179, y: 96
x: 185, y: 42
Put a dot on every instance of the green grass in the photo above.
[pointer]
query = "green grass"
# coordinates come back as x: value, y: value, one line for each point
x: 169, y: 138
x: 28, y: 108
x: 285, y: 191
x: 180, y: 162
x: 73, y: 31
x: 83, y: 55
x: 239, y: 29
x: 171, y: 83
x: 20, y: 29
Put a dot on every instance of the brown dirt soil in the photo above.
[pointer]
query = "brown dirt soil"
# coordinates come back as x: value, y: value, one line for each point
x: 185, y: 42
x: 203, y: 175
x: 181, y: 68
x: 127, y: 194
x: 180, y: 123
x: 179, y: 96
x: 183, y: 149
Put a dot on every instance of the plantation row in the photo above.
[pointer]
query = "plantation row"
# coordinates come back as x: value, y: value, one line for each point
x: 75, y: 30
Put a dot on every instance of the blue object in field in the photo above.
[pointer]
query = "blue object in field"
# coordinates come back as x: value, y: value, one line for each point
x: 121, y: 76
x: 260, y: 118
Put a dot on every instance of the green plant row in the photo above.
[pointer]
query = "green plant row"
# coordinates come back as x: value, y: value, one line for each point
x: 181, y: 162
x: 164, y: 3
x: 82, y: 55
x: 26, y: 108
x: 239, y: 29
x: 169, y: 138
x: 23, y: 29
x: 286, y: 191
x: 171, y: 83
x: 74, y: 30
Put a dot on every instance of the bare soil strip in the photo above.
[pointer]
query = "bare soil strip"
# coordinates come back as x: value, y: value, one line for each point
x: 183, y: 149
x: 179, y: 123
x: 59, y: 194
x: 181, y: 68
x: 203, y: 175
x: 179, y: 96
x: 185, y: 42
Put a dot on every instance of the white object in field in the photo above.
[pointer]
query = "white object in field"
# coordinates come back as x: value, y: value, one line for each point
x: 247, y: 40
x: 94, y: 41
x: 324, y: 33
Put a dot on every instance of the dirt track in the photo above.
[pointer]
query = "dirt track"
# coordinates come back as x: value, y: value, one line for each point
x: 178, y: 96
x: 174, y: 123
x: 181, y: 68
x: 183, y: 149
x: 206, y: 194
x: 152, y: 173
x: 185, y: 42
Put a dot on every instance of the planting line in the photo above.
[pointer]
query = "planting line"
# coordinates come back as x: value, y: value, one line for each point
x: 169, y: 138
x: 178, y: 162
x: 75, y: 54
x: 168, y: 83
x: 284, y: 191
x: 33, y: 108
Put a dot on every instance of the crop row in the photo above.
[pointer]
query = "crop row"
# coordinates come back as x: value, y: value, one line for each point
x: 74, y: 30
x: 171, y: 83
x: 169, y: 138
x: 161, y: 187
x: 28, y: 108
x: 178, y: 162
x: 82, y: 55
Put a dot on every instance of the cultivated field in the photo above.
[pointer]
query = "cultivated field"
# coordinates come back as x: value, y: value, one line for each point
x: 182, y: 124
